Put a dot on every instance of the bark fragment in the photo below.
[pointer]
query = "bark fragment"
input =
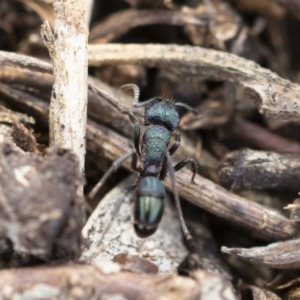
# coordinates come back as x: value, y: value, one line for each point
x: 281, y: 255
x: 260, y: 170
x: 41, y: 214
x: 274, y: 96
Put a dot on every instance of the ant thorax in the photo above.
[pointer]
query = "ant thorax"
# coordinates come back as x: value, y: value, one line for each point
x: 155, y: 144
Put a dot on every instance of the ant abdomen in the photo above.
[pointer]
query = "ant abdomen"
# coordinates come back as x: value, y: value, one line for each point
x: 149, y: 205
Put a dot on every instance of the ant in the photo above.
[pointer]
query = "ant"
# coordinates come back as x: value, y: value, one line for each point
x: 152, y: 160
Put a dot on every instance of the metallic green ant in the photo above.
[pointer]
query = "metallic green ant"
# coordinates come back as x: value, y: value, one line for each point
x: 161, y: 119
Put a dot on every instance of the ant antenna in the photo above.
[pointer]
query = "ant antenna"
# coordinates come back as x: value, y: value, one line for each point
x: 136, y: 92
x: 185, y: 230
x: 187, y: 107
x: 136, y: 95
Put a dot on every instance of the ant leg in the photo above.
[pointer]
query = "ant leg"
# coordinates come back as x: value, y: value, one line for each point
x: 134, y: 167
x: 137, y: 133
x: 164, y: 169
x: 186, y: 161
x: 116, y: 164
x: 185, y: 230
x: 187, y: 107
x: 172, y: 150
x: 176, y: 143
x: 134, y: 163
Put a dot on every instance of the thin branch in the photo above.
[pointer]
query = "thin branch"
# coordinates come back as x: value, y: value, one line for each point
x: 275, y: 97
x: 67, y: 49
x: 281, y: 255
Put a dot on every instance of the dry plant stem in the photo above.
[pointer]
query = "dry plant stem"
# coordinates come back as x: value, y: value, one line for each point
x: 91, y: 282
x: 102, y: 98
x: 89, y: 10
x: 105, y: 104
x: 26, y: 78
x: 205, y: 194
x: 260, y: 170
x: 281, y: 255
x: 258, y: 136
x: 121, y: 22
x: 103, y: 142
x: 276, y: 97
x: 28, y: 101
x: 67, y: 48
x: 24, y: 61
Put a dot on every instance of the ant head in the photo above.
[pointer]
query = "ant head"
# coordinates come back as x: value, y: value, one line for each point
x: 162, y: 112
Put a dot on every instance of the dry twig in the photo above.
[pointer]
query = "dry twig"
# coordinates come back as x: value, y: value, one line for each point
x: 91, y: 282
x: 67, y: 49
x: 281, y: 255
x: 260, y: 170
x: 275, y: 97
x: 104, y: 142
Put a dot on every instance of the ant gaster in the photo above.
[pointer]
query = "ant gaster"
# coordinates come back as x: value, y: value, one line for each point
x: 152, y: 161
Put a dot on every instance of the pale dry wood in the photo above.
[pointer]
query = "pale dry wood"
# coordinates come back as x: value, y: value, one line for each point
x: 294, y: 293
x: 24, y: 61
x: 280, y: 255
x: 213, y: 286
x: 276, y: 98
x: 94, y: 282
x: 109, y: 231
x: 68, y: 51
